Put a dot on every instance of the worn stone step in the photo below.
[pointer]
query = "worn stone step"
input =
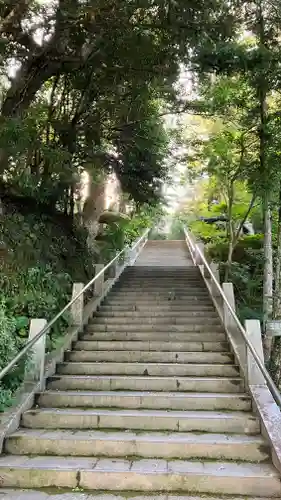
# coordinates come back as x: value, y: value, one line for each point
x: 161, y: 274
x: 147, y: 400
x: 156, y: 278
x: 142, y: 327
x: 159, y: 261
x: 155, y: 299
x: 149, y: 369
x: 23, y: 494
x: 160, y: 285
x: 153, y: 345
x: 140, y: 270
x: 103, y: 474
x: 167, y: 308
x: 91, y: 334
x: 165, y: 314
x: 131, y: 304
x: 149, y: 356
x: 137, y: 383
x: 156, y: 320
x: 152, y: 302
x: 182, y: 288
x: 186, y: 295
x: 162, y: 271
x: 142, y: 444
x: 238, y: 422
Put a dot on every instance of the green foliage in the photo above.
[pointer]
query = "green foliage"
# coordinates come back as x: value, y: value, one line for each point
x: 36, y: 293
x: 246, y: 272
x: 176, y: 230
x: 207, y: 232
x: 217, y: 250
x: 116, y: 236
x: 42, y: 257
x: 35, y: 240
x: 10, y: 345
x: 157, y: 235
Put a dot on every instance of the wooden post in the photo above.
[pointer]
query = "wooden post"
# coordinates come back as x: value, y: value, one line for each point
x: 38, y: 352
x: 78, y: 307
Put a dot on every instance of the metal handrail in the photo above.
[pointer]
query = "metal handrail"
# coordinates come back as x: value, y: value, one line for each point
x: 49, y: 325
x: 270, y: 383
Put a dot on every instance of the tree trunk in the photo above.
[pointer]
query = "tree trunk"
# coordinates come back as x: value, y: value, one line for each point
x: 229, y: 260
x: 230, y: 231
x: 267, y: 273
x: 262, y: 89
x: 276, y: 312
x: 275, y: 366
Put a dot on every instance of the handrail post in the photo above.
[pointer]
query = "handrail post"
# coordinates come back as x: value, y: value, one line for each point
x: 198, y: 259
x: 253, y: 330
x: 229, y: 293
x: 231, y: 326
x: 37, y: 368
x: 131, y: 255
x: 77, y: 307
x: 98, y: 284
x: 216, y: 272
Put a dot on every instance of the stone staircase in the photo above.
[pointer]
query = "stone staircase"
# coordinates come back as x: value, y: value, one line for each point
x: 149, y: 402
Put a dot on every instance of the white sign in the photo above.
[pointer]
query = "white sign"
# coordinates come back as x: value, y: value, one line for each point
x: 273, y: 328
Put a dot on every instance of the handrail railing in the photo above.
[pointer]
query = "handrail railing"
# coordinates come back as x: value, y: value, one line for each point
x: 49, y: 325
x: 270, y: 383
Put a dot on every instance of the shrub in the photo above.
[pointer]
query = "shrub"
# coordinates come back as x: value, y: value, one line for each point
x: 10, y: 345
x: 207, y: 232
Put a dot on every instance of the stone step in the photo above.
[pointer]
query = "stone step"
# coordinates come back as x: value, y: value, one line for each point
x: 156, y: 286
x: 137, y: 383
x: 153, y: 345
x: 159, y: 285
x: 167, y: 308
x: 186, y: 295
x: 173, y: 259
x: 142, y: 327
x: 154, y: 302
x: 150, y: 336
x: 146, y: 400
x: 103, y: 474
x: 165, y: 297
x: 149, y: 357
x: 131, y: 444
x: 236, y: 422
x: 183, y: 273
x: 151, y: 315
x: 149, y: 369
x: 165, y: 268
x: 23, y: 494
x: 157, y: 320
x: 153, y: 263
x: 163, y: 273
